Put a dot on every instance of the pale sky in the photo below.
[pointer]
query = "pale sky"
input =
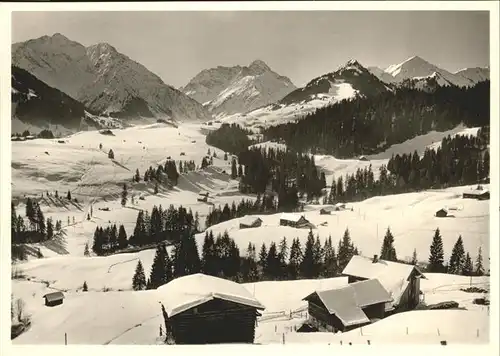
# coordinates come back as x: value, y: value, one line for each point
x: 301, y: 45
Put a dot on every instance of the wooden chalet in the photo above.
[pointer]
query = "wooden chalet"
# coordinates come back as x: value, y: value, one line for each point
x: 401, y: 280
x: 53, y: 299
x: 346, y: 308
x: 441, y: 213
x: 250, y: 222
x: 202, y: 309
x: 295, y: 220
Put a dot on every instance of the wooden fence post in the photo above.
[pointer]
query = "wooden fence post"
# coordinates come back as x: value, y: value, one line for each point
x: 283, y: 338
x: 439, y: 334
x: 65, y: 339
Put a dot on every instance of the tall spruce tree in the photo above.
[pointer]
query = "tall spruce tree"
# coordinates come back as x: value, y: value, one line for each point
x: 122, y: 237
x: 295, y: 259
x: 124, y: 195
x: 139, y: 279
x: 388, y: 251
x: 479, y: 268
x: 468, y: 267
x: 186, y: 257
x: 345, y: 250
x: 457, y: 258
x: 263, y: 257
x: 307, y: 266
x: 436, y: 257
x: 414, y: 259
x: 330, y: 265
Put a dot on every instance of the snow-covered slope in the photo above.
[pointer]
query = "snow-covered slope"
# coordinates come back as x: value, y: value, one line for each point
x: 347, y: 82
x: 420, y: 70
x: 129, y: 317
x: 103, y: 79
x: 229, y: 90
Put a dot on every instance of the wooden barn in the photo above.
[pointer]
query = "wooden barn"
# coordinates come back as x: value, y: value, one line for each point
x: 325, y: 211
x: 295, y: 220
x: 401, y: 280
x: 202, y: 309
x: 53, y: 299
x: 346, y: 308
x: 250, y: 222
x: 479, y: 194
x: 441, y: 213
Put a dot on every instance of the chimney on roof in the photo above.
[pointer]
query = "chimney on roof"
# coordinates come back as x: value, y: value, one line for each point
x: 375, y: 259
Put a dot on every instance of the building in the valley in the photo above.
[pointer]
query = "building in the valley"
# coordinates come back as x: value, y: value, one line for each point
x: 348, y: 307
x: 442, y: 213
x: 401, y: 280
x: 479, y: 193
x: 250, y: 222
x: 53, y: 299
x: 295, y: 220
x: 202, y: 309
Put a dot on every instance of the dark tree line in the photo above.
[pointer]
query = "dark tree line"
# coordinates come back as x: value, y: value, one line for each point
x: 369, y: 125
x: 163, y: 225
x: 230, y: 138
x: 166, y: 173
x: 262, y: 205
x: 36, y: 228
x: 286, y: 173
x: 460, y: 160
x: 108, y: 240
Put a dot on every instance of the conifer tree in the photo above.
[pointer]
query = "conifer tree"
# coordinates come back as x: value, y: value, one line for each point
x: 68, y: 196
x: 263, y: 257
x: 186, y: 257
x: 85, y: 287
x: 436, y: 257
x: 209, y: 255
x: 414, y: 259
x: 139, y: 279
x: 86, y: 251
x: 122, y: 237
x: 111, y: 154
x: 388, y: 252
x: 468, y: 268
x: 124, y: 195
x: 158, y: 273
x: 295, y: 259
x: 50, y: 229
x: 307, y: 265
x: 479, y: 268
x: 345, y: 250
x: 137, y: 177
x: 234, y: 170
x: 330, y: 265
x: 457, y: 258
x: 272, y: 269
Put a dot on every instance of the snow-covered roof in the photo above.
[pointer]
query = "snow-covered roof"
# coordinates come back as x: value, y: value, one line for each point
x: 54, y: 296
x: 477, y: 191
x: 249, y: 220
x: 392, y: 275
x: 187, y: 292
x: 347, y: 302
x: 290, y: 217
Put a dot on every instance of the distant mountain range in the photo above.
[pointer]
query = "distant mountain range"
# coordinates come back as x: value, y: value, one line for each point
x: 100, y: 80
x: 229, y: 90
x: 104, y: 80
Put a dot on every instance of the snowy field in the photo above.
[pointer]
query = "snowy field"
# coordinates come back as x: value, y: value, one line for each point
x: 128, y: 317
x: 122, y: 316
x: 410, y: 217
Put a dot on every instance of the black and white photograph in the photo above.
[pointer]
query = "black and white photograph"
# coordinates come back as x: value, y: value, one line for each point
x: 267, y: 177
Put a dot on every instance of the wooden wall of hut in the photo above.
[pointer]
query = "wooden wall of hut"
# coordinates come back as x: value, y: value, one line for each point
x: 215, y: 322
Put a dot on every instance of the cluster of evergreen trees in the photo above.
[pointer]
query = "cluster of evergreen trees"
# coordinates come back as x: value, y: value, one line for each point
x: 230, y: 138
x: 42, y: 134
x: 162, y: 174
x: 36, y: 229
x: 163, y: 225
x: 460, y: 261
x: 108, y: 240
x: 460, y: 160
x: 221, y: 257
x: 263, y: 205
x: 369, y: 125
x: 285, y: 172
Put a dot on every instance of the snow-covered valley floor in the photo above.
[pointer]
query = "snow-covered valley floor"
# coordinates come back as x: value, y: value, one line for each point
x: 123, y: 316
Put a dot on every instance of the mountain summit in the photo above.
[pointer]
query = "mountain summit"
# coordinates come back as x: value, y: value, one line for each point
x: 104, y: 80
x: 418, y: 71
x: 238, y: 89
